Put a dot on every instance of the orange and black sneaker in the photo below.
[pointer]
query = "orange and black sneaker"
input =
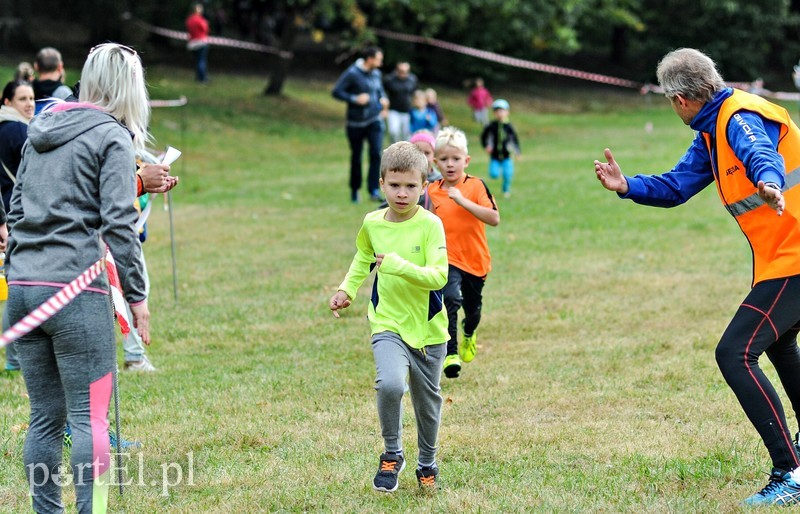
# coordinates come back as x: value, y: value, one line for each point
x: 426, y: 477
x: 391, y: 466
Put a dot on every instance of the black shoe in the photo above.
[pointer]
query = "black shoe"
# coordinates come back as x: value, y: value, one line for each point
x: 427, y: 476
x: 390, y: 467
x: 797, y: 443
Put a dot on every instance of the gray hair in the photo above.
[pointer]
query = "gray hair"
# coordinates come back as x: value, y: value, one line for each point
x: 403, y: 157
x: 689, y: 73
x: 113, y: 78
x: 451, y: 136
x: 48, y: 59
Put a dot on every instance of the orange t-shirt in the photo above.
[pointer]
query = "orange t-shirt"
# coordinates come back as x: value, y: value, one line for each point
x: 467, y: 248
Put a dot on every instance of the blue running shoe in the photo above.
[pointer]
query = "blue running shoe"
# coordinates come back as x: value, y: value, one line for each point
x: 781, y: 490
x: 124, y: 445
x: 67, y: 436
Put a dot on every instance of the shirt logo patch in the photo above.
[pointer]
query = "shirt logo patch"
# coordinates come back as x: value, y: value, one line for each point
x: 748, y: 132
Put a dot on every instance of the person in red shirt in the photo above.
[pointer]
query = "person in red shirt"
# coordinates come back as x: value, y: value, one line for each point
x: 197, y: 27
x: 479, y: 100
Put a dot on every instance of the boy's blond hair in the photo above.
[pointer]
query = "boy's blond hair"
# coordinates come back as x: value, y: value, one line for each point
x: 451, y: 136
x: 403, y: 157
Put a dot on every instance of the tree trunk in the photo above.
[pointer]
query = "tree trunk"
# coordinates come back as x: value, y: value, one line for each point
x: 280, y: 65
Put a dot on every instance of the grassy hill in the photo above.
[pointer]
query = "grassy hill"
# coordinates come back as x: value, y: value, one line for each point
x: 595, y: 386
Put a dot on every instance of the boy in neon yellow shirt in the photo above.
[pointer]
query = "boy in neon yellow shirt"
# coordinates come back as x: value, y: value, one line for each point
x: 406, y: 244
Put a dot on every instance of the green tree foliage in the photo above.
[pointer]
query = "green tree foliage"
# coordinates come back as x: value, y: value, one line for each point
x: 748, y: 38
x: 744, y: 37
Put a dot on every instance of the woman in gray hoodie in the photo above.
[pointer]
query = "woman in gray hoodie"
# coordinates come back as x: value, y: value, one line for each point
x: 74, y: 195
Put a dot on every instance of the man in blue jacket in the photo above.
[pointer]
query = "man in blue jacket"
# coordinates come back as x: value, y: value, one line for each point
x: 750, y: 149
x: 361, y: 88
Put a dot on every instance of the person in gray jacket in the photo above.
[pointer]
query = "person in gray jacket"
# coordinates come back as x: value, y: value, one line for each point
x: 74, y: 195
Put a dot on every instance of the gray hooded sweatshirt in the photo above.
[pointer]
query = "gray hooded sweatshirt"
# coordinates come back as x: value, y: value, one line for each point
x: 76, y: 184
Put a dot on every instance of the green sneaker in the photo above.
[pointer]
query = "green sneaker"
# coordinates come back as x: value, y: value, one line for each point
x: 452, y: 366
x: 468, y: 347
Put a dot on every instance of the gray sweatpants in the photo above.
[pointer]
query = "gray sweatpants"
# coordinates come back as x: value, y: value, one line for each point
x: 67, y: 364
x: 394, y: 361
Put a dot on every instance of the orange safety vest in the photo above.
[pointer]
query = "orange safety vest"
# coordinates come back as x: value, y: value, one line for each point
x: 774, y: 240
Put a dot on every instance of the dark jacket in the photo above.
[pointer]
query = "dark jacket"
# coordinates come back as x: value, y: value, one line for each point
x: 354, y: 81
x: 400, y: 91
x: 50, y: 88
x: 12, y: 136
x: 503, y: 145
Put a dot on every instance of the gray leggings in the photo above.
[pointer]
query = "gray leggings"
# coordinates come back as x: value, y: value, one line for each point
x: 394, y: 361
x: 67, y: 364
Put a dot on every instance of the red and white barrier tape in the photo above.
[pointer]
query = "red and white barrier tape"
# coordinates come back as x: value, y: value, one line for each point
x: 218, y: 41
x: 169, y: 103
x: 53, y: 305
x: 558, y: 70
x: 474, y: 52
x: 510, y: 61
x: 116, y: 294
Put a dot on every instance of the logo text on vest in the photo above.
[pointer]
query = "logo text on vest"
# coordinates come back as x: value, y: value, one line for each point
x: 747, y: 130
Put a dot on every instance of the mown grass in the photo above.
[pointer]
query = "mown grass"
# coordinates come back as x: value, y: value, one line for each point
x: 595, y: 387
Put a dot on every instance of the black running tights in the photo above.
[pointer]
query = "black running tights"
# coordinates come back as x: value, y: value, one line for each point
x: 766, y: 322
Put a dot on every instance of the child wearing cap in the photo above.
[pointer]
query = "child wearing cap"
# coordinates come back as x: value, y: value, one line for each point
x: 501, y: 143
x: 425, y: 141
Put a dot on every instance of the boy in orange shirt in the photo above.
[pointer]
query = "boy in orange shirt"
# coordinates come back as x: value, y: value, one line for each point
x: 465, y: 206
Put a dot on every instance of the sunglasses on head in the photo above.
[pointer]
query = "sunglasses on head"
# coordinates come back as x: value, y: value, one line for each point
x: 128, y: 49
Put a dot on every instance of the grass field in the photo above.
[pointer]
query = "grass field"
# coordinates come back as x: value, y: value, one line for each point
x: 594, y: 389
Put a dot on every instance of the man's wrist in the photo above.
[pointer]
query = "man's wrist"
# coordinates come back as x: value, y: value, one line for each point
x: 772, y: 185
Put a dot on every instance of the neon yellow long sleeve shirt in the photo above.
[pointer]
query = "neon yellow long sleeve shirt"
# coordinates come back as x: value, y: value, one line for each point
x: 407, y: 293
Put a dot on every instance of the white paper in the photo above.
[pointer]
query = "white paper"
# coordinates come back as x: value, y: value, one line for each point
x: 171, y: 155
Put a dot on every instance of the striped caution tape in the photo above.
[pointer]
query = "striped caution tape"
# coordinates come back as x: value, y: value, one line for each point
x: 511, y: 61
x: 558, y: 70
x: 53, y: 305
x: 169, y: 103
x: 474, y: 52
x: 217, y: 41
